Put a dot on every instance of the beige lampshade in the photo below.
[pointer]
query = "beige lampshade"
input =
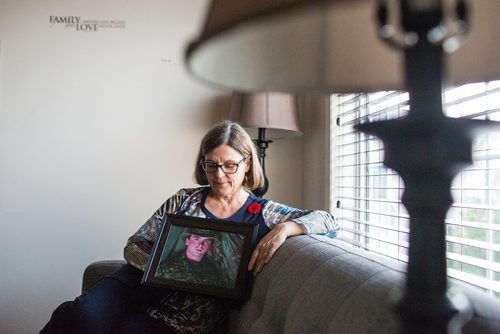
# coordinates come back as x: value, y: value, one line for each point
x: 275, y: 112
x: 324, y: 46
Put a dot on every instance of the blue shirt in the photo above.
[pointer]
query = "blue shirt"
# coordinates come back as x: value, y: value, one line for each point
x: 243, y: 215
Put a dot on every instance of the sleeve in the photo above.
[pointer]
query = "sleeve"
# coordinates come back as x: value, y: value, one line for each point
x: 316, y: 221
x: 139, y: 245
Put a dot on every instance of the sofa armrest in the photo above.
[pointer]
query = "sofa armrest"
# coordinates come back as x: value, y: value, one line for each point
x: 96, y: 271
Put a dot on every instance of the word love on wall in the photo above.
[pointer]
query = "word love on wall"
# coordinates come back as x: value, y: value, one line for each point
x: 79, y: 24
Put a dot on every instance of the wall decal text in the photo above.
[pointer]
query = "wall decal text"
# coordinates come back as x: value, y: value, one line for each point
x: 78, y: 24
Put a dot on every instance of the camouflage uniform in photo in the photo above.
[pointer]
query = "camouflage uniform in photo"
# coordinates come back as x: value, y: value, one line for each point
x: 182, y: 269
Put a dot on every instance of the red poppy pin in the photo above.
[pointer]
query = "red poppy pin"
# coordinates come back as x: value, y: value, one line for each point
x: 254, y: 208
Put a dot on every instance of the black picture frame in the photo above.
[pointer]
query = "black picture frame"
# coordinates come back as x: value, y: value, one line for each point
x: 223, y: 268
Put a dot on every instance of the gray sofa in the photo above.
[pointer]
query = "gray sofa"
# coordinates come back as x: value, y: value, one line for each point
x: 319, y: 285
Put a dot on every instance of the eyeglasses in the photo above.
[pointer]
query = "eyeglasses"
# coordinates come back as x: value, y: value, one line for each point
x: 227, y: 167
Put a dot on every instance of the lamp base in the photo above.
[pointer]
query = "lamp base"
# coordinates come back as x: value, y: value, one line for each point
x: 262, y: 144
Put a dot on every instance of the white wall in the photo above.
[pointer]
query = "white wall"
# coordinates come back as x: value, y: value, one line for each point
x: 96, y: 130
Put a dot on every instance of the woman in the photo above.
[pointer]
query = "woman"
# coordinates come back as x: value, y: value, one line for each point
x: 227, y: 162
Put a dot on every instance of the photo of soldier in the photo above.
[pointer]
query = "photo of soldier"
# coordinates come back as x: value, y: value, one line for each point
x: 198, y: 260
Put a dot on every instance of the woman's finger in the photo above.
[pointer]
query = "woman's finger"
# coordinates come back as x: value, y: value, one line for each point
x: 253, y: 258
x: 257, y: 254
x: 261, y: 257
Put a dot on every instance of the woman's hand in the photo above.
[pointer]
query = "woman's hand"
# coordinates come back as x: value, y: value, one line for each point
x: 271, y: 242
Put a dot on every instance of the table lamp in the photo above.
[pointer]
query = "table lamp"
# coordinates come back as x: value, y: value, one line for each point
x: 265, y: 115
x: 340, y: 46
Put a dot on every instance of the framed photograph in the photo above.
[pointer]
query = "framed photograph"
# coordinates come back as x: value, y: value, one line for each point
x: 202, y: 255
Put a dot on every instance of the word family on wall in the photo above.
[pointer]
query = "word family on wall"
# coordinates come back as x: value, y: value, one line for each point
x: 86, y: 25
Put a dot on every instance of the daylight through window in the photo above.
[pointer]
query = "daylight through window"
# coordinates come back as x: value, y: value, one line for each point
x: 366, y: 195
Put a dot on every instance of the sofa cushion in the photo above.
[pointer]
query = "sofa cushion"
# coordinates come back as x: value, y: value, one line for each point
x: 319, y: 285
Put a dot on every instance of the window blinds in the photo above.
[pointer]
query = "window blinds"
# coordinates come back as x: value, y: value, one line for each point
x: 366, y: 195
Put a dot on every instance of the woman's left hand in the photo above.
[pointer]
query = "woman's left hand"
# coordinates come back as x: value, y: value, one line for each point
x: 271, y: 242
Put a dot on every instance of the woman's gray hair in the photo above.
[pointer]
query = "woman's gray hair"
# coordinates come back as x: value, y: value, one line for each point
x: 231, y: 134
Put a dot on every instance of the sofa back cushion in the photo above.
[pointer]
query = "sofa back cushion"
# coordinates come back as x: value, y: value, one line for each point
x: 319, y: 285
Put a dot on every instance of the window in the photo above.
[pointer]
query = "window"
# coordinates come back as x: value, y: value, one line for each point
x: 366, y: 195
